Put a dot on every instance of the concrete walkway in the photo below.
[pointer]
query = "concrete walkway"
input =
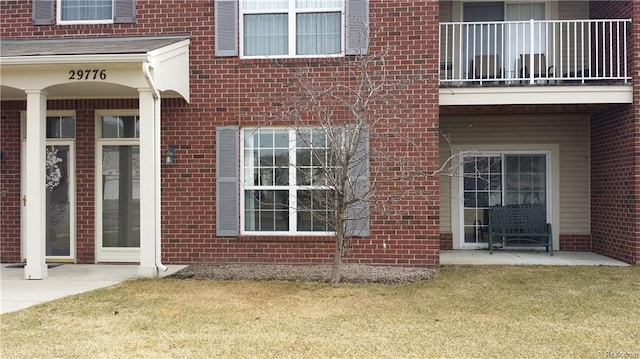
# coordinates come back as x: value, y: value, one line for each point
x: 523, y: 257
x: 68, y: 279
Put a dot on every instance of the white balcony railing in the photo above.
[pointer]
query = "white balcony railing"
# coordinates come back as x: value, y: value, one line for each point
x: 533, y: 52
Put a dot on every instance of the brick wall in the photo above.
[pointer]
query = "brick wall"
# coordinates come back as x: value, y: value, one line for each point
x: 229, y: 91
x: 10, y: 182
x: 615, y: 158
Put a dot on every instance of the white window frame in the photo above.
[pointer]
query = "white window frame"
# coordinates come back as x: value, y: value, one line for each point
x: 292, y: 12
x: 75, y: 22
x: 292, y: 188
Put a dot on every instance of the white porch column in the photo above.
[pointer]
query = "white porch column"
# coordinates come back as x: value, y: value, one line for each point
x: 149, y: 157
x: 35, y: 197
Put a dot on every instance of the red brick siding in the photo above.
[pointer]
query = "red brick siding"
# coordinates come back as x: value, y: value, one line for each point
x: 229, y: 91
x: 10, y: 183
x: 615, y: 159
x: 614, y: 190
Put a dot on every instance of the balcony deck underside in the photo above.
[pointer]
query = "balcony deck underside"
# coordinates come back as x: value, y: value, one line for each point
x: 541, y: 94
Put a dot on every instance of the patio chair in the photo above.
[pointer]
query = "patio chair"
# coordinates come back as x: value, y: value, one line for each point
x: 540, y: 68
x: 486, y: 67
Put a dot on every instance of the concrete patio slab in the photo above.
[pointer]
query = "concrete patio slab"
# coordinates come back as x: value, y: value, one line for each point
x: 68, y: 279
x: 523, y: 257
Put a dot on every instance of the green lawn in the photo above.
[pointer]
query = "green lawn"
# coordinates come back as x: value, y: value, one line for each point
x: 495, y: 311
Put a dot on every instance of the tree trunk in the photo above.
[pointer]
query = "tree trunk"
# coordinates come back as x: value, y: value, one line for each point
x: 337, y: 260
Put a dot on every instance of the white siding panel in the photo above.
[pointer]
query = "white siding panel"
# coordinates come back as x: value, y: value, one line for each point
x: 570, y: 132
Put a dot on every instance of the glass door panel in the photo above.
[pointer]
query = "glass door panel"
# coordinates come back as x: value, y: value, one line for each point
x: 526, y: 179
x: 59, y: 197
x: 483, y: 43
x: 482, y: 188
x: 518, y: 36
x: 121, y: 196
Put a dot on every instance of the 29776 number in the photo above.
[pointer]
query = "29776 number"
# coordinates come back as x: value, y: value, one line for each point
x: 94, y: 74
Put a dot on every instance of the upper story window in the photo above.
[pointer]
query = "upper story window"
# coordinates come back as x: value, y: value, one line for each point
x: 69, y: 12
x: 86, y: 10
x: 288, y: 28
x: 291, y: 28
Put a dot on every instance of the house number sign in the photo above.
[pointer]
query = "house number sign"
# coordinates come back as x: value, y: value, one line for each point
x: 90, y: 74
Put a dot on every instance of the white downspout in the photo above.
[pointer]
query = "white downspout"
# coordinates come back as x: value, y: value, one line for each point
x: 156, y: 144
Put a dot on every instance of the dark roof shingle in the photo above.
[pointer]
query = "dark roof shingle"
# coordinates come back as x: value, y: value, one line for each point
x: 85, y: 46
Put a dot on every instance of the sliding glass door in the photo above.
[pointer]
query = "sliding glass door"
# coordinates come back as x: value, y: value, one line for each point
x: 496, y: 180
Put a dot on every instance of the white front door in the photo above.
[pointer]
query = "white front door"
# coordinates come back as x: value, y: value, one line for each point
x: 60, y: 189
x: 118, y: 189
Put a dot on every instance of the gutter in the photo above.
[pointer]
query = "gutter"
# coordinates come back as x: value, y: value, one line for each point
x: 72, y: 59
x: 146, y: 66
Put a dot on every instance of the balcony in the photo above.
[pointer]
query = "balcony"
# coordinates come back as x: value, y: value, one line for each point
x: 535, y: 62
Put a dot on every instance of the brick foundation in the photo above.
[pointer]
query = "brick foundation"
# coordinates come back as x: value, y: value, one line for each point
x: 446, y: 240
x: 575, y: 242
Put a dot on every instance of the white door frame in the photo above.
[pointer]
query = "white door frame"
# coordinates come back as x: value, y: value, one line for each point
x: 553, y: 184
x: 72, y: 187
x: 110, y: 254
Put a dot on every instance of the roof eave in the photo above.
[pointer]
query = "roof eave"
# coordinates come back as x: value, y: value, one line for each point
x: 76, y: 59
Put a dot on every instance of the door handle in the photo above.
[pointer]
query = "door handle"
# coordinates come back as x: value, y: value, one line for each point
x: 24, y: 200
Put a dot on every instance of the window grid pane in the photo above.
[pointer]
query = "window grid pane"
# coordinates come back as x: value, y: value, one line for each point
x: 266, y: 35
x: 266, y: 210
x: 265, y: 5
x: 120, y: 127
x: 318, y: 33
x: 61, y: 127
x: 318, y: 4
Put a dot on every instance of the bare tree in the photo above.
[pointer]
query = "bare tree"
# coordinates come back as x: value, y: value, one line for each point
x: 344, y: 119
